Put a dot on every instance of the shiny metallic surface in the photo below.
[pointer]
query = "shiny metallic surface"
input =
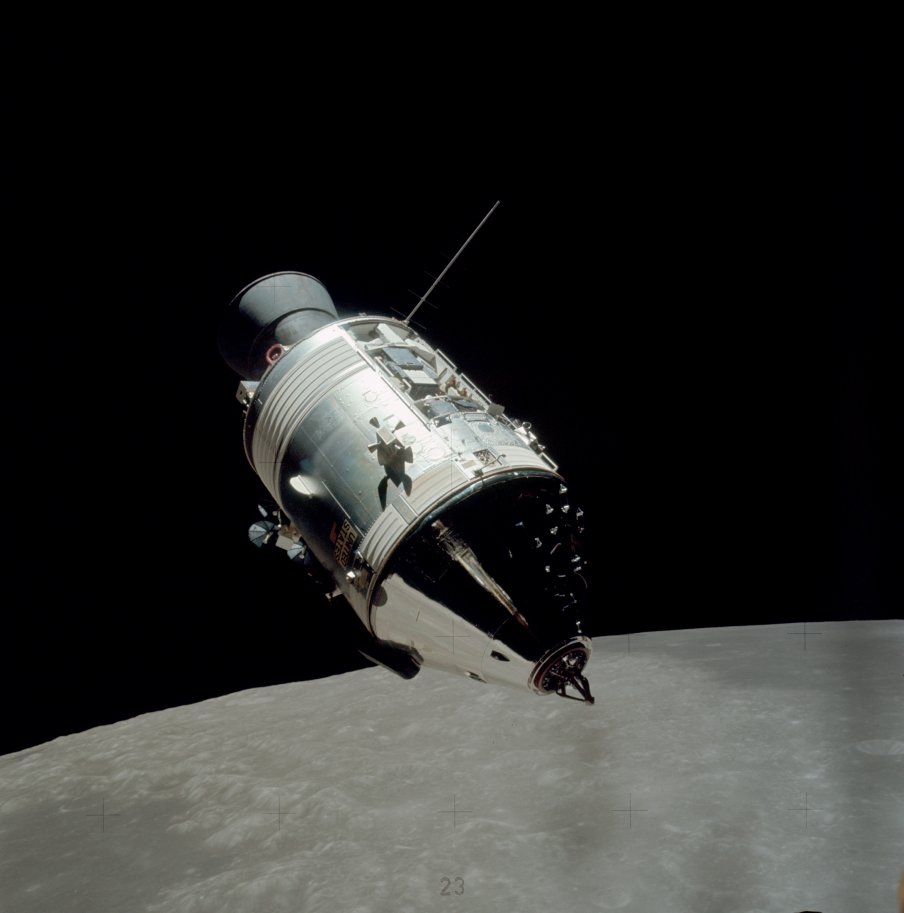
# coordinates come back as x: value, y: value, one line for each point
x: 426, y: 504
x: 475, y: 597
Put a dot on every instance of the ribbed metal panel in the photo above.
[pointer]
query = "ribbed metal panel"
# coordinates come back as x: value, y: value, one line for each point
x: 388, y: 529
x: 404, y: 508
x: 297, y: 393
x: 518, y: 458
x: 436, y: 484
x: 429, y: 490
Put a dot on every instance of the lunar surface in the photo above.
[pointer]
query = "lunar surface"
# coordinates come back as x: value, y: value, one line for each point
x: 725, y: 769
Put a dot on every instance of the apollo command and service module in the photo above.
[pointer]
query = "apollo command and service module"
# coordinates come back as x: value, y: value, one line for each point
x: 441, y: 520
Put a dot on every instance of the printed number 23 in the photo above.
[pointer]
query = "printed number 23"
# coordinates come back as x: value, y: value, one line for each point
x: 447, y: 890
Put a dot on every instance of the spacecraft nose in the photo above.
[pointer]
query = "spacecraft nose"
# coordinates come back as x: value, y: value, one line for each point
x: 562, y: 669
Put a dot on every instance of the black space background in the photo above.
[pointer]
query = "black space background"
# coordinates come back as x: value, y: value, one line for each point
x: 682, y: 289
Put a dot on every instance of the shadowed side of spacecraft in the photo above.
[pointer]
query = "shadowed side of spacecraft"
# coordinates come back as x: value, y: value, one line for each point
x: 402, y: 487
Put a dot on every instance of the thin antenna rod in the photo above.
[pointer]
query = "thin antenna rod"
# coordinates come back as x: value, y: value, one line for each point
x: 446, y: 270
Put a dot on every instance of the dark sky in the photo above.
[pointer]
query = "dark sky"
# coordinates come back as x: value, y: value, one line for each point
x: 681, y: 289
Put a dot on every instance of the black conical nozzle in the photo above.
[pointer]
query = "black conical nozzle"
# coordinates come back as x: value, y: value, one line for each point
x: 279, y: 309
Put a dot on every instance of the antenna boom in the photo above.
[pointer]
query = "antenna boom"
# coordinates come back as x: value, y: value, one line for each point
x: 443, y: 273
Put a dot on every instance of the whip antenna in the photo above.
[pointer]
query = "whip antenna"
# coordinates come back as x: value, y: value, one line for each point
x: 443, y: 273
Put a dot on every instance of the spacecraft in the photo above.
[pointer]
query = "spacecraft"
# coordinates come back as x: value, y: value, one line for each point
x: 440, y: 520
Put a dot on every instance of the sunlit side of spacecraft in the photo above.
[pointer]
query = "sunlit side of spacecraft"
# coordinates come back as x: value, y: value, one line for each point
x: 441, y: 521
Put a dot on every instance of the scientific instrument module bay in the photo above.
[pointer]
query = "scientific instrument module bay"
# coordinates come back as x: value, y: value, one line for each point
x: 438, y: 518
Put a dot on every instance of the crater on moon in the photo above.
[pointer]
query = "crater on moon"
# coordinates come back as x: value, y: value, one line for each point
x: 881, y: 746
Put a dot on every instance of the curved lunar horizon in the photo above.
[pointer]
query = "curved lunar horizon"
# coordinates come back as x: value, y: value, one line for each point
x: 753, y: 768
